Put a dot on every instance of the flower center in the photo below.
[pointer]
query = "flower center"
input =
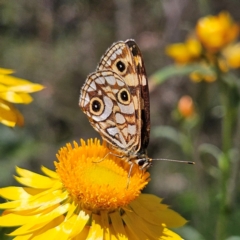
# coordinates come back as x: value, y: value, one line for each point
x: 96, y: 179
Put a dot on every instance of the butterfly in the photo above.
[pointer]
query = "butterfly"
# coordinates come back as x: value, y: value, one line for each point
x: 116, y: 100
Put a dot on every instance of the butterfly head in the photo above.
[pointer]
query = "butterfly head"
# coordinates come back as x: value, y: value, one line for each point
x: 142, y: 160
x: 144, y: 163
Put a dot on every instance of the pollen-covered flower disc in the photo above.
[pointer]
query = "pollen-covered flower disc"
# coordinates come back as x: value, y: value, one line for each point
x: 96, y: 179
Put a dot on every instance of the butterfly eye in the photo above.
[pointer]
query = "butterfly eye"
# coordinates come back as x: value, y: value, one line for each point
x: 121, y: 66
x: 124, y: 96
x: 141, y: 162
x: 96, y: 106
x: 144, y: 162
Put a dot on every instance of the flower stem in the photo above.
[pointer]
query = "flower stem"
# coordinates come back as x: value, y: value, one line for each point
x: 224, y: 161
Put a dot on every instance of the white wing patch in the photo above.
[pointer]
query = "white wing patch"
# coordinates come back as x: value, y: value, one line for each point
x: 127, y: 109
x: 120, y: 118
x: 93, y: 86
x: 110, y: 80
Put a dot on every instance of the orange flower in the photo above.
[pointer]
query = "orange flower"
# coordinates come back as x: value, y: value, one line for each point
x: 215, y: 32
x: 186, y: 106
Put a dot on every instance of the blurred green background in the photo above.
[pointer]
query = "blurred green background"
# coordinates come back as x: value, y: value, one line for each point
x: 58, y: 43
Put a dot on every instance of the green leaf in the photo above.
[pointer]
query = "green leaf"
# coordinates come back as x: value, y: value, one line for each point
x: 182, y: 140
x: 211, y: 149
x: 233, y: 238
x: 162, y: 75
x: 231, y: 79
x: 169, y: 133
x: 188, y: 232
x: 214, y: 151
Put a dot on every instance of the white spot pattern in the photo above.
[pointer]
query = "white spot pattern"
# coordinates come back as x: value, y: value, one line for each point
x: 127, y: 109
x: 120, y: 119
x: 110, y: 80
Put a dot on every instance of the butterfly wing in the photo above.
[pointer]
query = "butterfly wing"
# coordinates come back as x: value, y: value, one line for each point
x: 107, y: 101
x: 145, y: 103
x: 120, y: 60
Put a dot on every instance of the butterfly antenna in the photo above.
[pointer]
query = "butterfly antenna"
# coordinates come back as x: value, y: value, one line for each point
x: 173, y: 160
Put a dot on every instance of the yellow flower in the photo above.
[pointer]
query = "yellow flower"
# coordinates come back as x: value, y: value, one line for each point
x: 232, y: 55
x: 14, y: 90
x: 205, y: 74
x: 215, y: 32
x: 186, y: 52
x: 198, y: 77
x: 86, y: 198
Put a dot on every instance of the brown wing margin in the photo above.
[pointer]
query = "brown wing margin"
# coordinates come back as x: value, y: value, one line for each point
x: 145, y: 111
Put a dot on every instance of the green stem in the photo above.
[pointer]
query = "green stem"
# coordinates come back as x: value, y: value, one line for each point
x: 224, y: 162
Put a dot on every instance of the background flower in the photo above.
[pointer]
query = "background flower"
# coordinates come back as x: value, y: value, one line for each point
x: 232, y: 55
x: 14, y: 90
x: 215, y: 32
x: 185, y: 52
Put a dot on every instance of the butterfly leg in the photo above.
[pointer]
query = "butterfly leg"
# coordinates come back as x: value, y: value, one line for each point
x: 102, y: 158
x: 119, y: 156
x: 129, y: 174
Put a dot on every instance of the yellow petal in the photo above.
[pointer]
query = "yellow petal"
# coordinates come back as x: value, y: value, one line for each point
x: 134, y: 228
x: 170, y: 235
x: 3, y: 88
x: 65, y: 228
x: 117, y: 224
x: 10, y: 205
x: 27, y: 88
x: 11, y: 220
x: 131, y: 234
x: 23, y: 237
x: 49, y: 173
x: 105, y: 225
x: 9, y: 115
x: 151, y: 230
x: 7, y: 123
x: 6, y: 71
x: 143, y: 212
x: 38, y: 221
x: 114, y: 236
x: 171, y: 218
x: 72, y: 208
x: 155, y: 212
x: 15, y: 193
x: 47, y: 231
x: 16, y: 97
x: 13, y: 81
x: 96, y: 232
x: 145, y: 199
x: 40, y: 202
x: 83, y: 234
x: 33, y: 179
x: 79, y: 222
x: 44, y: 200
